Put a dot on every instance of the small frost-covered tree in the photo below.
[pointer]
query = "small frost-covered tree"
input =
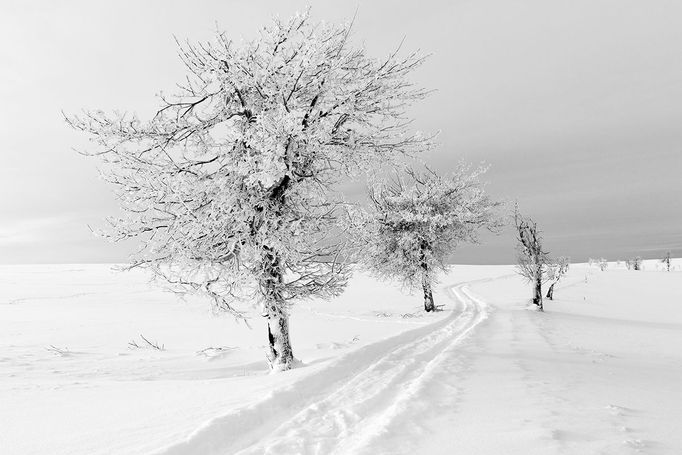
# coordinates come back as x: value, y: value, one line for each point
x: 667, y: 261
x: 231, y: 185
x: 603, y: 264
x: 532, y: 260
x: 555, y: 272
x: 636, y: 263
x: 415, y: 221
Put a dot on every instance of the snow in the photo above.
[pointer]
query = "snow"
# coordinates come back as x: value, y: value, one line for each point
x: 598, y: 372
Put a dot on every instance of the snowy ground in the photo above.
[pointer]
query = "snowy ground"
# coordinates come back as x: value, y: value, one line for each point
x: 599, y: 372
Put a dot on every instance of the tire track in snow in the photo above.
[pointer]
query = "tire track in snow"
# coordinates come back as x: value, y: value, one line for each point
x: 343, y: 407
x: 347, y: 420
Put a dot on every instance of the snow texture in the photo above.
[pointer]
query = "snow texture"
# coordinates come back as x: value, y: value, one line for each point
x: 597, y: 372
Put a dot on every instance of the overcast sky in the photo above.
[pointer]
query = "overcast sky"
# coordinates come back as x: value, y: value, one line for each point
x: 576, y: 105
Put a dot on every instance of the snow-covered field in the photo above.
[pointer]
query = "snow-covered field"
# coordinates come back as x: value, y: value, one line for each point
x: 599, y: 372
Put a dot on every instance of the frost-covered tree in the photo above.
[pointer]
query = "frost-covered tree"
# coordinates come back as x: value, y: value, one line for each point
x: 635, y: 263
x: 532, y: 260
x: 603, y: 264
x: 667, y: 261
x: 415, y: 221
x: 555, y: 272
x: 231, y: 185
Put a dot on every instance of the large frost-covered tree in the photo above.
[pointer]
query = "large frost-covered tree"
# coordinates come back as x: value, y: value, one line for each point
x: 416, y: 221
x: 230, y: 186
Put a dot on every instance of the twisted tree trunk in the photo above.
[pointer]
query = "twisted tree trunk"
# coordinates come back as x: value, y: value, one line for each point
x: 550, y: 292
x: 426, y: 280
x: 279, y: 354
x: 537, y: 298
x: 428, y: 294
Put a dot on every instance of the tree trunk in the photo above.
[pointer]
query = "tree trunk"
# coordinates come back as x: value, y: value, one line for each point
x: 280, y: 355
x: 426, y: 281
x: 537, y: 299
x: 550, y: 292
x: 428, y: 294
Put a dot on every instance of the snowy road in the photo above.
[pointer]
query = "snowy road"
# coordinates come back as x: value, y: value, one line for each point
x: 346, y: 406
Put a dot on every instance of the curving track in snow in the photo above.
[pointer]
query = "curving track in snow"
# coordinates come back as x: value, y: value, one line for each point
x: 345, y: 406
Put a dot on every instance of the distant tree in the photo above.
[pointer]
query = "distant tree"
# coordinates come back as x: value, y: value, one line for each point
x: 231, y: 185
x: 666, y: 260
x: 636, y: 263
x: 603, y: 264
x: 532, y: 260
x: 417, y: 220
x: 555, y: 272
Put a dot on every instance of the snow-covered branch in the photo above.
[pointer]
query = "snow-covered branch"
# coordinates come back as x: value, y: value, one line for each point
x: 417, y: 220
x: 230, y: 186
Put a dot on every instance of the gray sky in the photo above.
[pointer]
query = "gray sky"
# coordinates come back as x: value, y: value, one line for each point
x: 576, y: 105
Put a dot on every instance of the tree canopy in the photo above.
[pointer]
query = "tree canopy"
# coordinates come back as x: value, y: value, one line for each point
x: 416, y: 221
x: 230, y: 186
